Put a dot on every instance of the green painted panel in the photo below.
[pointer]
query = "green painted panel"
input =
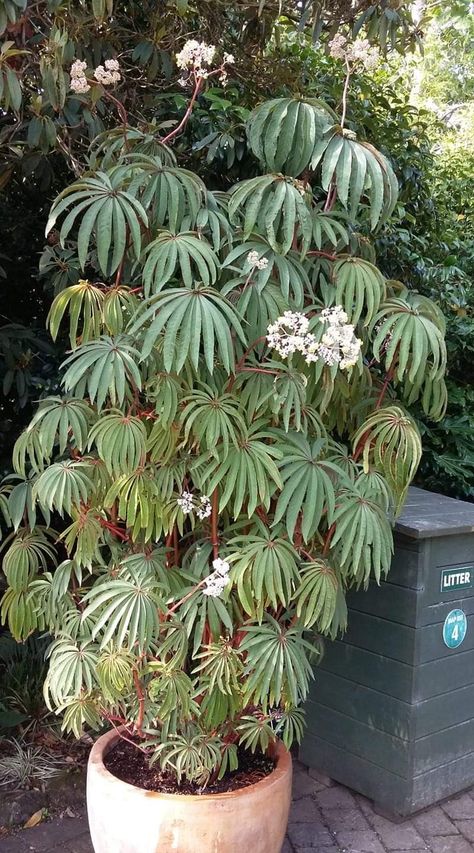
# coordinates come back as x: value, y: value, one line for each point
x: 370, y: 670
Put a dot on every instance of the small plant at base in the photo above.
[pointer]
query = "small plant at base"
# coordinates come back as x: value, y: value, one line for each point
x: 232, y: 441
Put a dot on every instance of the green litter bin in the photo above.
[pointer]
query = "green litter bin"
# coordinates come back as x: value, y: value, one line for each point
x: 391, y: 712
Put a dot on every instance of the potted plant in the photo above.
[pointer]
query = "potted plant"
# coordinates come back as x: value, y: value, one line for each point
x: 229, y: 449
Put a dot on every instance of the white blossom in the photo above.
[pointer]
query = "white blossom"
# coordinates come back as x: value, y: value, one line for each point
x: 186, y: 502
x: 79, y: 82
x: 358, y: 51
x: 204, y: 509
x: 79, y: 85
x: 195, y: 55
x: 229, y: 59
x: 338, y: 344
x: 216, y: 582
x: 254, y: 259
x: 109, y: 75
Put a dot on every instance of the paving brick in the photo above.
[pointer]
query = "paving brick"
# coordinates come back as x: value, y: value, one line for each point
x: 366, y: 806
x: 304, y: 811
x: 332, y: 849
x: 360, y: 841
x: 287, y: 848
x: 397, y: 836
x: 344, y: 820
x: 461, y: 808
x: 48, y: 836
x: 309, y: 835
x: 304, y: 785
x: 335, y: 798
x: 323, y: 778
x: 466, y: 828
x: 434, y: 822
x: 450, y: 844
x: 14, y: 844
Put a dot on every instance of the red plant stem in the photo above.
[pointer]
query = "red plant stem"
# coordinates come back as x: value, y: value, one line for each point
x: 388, y: 379
x: 184, y: 120
x: 141, y: 703
x: 241, y: 361
x: 117, y: 531
x: 214, y: 523
x: 322, y: 255
x: 345, y: 92
x: 327, y: 540
x: 176, y: 545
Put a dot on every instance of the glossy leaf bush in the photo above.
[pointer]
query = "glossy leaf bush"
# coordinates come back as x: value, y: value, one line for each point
x: 232, y: 441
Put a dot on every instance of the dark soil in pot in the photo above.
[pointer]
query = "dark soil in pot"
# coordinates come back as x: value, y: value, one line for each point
x: 130, y: 764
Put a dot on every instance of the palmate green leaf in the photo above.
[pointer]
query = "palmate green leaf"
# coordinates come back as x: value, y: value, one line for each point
x: 120, y: 441
x: 390, y: 441
x: 18, y: 613
x: 273, y: 206
x: 409, y: 337
x: 289, y: 394
x: 221, y: 666
x: 246, y: 475
x: 170, y: 194
x: 193, y: 754
x: 154, y: 563
x: 363, y: 537
x: 162, y: 442
x: 316, y: 595
x: 62, y: 421
x: 212, y: 220
x: 290, y: 726
x: 84, y: 537
x: 78, y: 713
x: 264, y: 569
x: 360, y: 288
x: 84, y: 302
x: 283, y: 132
x: 24, y: 554
x: 64, y: 485
x: 105, y: 369
x: 255, y: 733
x: 277, y: 668
x: 28, y: 447
x: 259, y: 308
x: 356, y: 170
x: 107, y: 213
x: 164, y: 391
x: 72, y: 670
x: 308, y: 484
x: 184, y: 256
x: 114, y: 673
x: 328, y: 231
x: 285, y: 271
x: 109, y: 148
x: 212, y: 418
x: 17, y: 504
x: 139, y: 505
x: 119, y: 306
x: 204, y: 613
x: 193, y: 322
x: 171, y: 692
x: 126, y: 609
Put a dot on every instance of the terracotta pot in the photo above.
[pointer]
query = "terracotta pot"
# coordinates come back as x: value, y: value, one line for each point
x: 126, y: 819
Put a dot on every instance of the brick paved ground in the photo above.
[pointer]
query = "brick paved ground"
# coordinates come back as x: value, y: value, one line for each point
x: 325, y: 817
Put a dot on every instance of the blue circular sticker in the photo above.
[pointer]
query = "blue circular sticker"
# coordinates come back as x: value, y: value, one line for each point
x: 454, y: 628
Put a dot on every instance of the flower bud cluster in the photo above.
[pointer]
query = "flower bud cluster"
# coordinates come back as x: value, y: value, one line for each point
x: 197, y: 58
x: 338, y: 345
x: 188, y: 503
x: 106, y: 74
x: 359, y: 50
x: 255, y: 261
x: 216, y: 582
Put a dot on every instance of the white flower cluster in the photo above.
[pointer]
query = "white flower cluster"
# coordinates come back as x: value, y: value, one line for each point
x: 109, y: 74
x: 197, y: 57
x: 187, y: 503
x: 359, y: 50
x: 338, y: 345
x: 254, y: 259
x: 216, y: 582
x: 106, y: 74
x: 79, y: 82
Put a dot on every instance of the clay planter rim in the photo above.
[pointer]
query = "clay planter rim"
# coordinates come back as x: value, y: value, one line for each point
x: 107, y: 741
